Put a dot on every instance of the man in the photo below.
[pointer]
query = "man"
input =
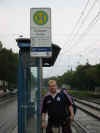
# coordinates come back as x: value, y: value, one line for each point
x: 59, y: 109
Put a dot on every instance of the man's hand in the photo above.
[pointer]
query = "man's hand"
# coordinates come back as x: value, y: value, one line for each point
x: 43, y: 124
x: 72, y: 117
x: 71, y: 112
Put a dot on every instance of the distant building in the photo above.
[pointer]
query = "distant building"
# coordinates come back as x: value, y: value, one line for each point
x: 97, y: 90
x: 3, y: 84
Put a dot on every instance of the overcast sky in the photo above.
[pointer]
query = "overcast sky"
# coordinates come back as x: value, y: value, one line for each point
x: 76, y: 49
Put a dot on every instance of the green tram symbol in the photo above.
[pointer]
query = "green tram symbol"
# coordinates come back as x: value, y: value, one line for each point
x: 40, y: 18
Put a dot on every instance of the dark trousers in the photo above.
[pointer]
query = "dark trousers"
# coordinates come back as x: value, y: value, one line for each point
x: 65, y: 126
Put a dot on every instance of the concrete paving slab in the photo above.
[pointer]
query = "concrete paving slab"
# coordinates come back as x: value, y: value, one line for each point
x: 15, y: 130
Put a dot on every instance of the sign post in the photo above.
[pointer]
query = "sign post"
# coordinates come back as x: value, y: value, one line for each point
x: 40, y: 35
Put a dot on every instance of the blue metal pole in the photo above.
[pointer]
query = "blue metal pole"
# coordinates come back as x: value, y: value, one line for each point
x: 38, y: 94
x: 20, y: 93
x: 25, y: 98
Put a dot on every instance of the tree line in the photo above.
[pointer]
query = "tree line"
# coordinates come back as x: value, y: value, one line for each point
x: 8, y: 68
x: 85, y: 77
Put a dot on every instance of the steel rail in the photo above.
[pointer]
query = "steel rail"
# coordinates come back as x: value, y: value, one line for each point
x: 79, y: 127
x: 89, y: 110
x: 89, y: 104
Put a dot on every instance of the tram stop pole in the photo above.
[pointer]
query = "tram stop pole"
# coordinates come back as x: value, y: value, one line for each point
x: 40, y: 35
x: 39, y: 81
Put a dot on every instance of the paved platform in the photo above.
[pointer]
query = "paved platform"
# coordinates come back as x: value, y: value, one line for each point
x: 32, y: 126
x: 16, y: 130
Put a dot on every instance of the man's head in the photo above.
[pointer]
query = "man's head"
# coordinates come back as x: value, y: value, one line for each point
x: 52, y: 86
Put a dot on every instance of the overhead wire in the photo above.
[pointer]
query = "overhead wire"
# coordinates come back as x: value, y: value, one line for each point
x: 90, y: 25
x: 82, y: 22
x: 80, y: 17
x: 78, y: 21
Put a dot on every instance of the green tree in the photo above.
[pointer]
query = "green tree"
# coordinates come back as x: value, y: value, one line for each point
x: 1, y: 45
x: 8, y: 66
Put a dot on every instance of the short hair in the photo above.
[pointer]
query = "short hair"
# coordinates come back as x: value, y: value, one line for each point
x: 51, y: 81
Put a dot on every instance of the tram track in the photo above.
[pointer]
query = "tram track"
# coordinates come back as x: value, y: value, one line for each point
x: 90, y: 109
x: 89, y: 104
x: 88, y: 120
x: 88, y: 99
x: 79, y: 127
x: 96, y: 101
x: 88, y: 123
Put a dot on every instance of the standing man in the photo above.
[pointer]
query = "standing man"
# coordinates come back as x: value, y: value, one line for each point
x: 59, y: 109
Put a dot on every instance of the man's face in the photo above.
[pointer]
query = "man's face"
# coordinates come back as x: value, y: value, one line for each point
x: 52, y: 87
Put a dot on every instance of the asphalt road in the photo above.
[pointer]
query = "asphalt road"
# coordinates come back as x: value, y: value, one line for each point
x: 8, y: 116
